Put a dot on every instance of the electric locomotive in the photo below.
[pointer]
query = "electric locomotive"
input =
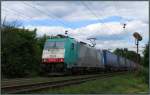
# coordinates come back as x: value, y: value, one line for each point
x: 65, y: 54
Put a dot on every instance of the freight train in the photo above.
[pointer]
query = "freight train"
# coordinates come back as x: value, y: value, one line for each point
x: 67, y: 55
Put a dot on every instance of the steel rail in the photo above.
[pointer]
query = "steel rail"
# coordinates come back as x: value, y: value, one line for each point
x: 18, y: 82
x: 55, y: 84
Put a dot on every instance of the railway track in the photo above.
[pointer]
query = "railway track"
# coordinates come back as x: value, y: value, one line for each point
x: 26, y: 81
x: 37, y: 86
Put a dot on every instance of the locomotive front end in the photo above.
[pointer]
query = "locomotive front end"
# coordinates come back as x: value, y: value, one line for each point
x: 53, y: 52
x: 53, y: 55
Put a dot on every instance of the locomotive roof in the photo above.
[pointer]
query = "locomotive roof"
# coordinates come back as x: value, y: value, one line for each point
x: 58, y: 39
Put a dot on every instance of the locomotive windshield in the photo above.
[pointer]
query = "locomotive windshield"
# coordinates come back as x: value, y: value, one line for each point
x: 54, y: 45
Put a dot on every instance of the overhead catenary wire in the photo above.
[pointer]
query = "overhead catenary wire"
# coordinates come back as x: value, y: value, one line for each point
x: 22, y: 14
x: 123, y: 21
x: 89, y: 8
x: 16, y: 13
x: 82, y: 2
x: 114, y: 6
x: 47, y: 14
x: 14, y: 22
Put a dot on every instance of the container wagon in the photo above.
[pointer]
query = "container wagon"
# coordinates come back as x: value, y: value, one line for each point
x: 117, y: 63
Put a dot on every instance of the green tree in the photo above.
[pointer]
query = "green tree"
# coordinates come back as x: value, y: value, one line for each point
x: 146, y: 56
x: 146, y: 64
x: 144, y: 72
x: 132, y: 55
x: 20, y: 52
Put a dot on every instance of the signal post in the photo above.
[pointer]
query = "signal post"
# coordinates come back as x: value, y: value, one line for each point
x: 138, y: 38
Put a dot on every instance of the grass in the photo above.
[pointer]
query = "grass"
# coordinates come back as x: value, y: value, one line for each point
x: 127, y: 83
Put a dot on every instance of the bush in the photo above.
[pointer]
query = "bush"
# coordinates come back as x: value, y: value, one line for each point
x: 144, y: 74
x: 21, y: 55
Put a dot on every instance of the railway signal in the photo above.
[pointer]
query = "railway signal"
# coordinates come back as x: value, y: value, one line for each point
x: 138, y: 38
x: 124, y: 26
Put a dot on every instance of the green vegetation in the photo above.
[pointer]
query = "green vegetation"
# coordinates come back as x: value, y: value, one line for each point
x: 127, y: 83
x: 144, y: 61
x: 132, y: 55
x: 144, y: 73
x: 21, y: 52
x: 146, y: 56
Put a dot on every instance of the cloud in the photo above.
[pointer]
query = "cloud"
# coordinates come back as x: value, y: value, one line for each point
x: 109, y: 34
x: 76, y: 10
x: 98, y: 29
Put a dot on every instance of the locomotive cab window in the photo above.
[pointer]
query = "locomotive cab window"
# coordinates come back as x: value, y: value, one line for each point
x: 60, y: 44
x: 49, y: 45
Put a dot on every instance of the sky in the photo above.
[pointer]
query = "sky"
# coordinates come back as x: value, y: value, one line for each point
x: 84, y: 19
